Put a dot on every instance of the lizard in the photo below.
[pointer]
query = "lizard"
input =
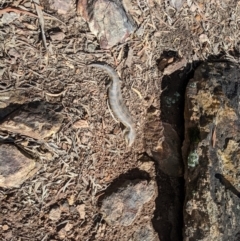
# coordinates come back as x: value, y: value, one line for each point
x: 117, y: 104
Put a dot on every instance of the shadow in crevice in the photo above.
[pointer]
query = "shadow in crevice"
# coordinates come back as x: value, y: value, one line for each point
x: 173, y: 95
x: 5, y: 112
x: 167, y: 220
x: 168, y: 216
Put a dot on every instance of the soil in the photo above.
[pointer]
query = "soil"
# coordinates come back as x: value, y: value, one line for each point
x: 85, y: 161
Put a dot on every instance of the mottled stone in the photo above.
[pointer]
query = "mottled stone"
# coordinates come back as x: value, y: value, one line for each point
x: 163, y: 145
x: 57, y: 35
x: 107, y: 20
x: 55, y: 214
x: 9, y: 17
x: 176, y: 3
x: 124, y: 205
x: 168, y: 152
x: 145, y: 233
x: 62, y: 6
x: 211, y: 153
x: 15, y: 167
x: 38, y: 120
x: 13, y: 97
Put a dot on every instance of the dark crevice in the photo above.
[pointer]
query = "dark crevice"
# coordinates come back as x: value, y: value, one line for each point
x: 168, y: 216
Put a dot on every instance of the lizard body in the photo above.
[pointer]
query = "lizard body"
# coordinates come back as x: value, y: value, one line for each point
x: 117, y: 104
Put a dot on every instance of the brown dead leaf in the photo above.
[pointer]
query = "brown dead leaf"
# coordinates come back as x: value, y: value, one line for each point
x: 5, y: 227
x: 129, y: 58
x: 146, y: 166
x: 193, y: 7
x: 203, y: 38
x: 71, y: 200
x: 170, y: 60
x: 81, y: 211
x: 62, y: 233
x: 80, y: 124
x: 55, y: 214
x: 68, y: 227
x: 175, y: 66
x: 198, y: 18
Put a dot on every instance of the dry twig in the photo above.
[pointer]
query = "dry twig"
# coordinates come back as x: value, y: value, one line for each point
x: 41, y: 22
x: 16, y: 10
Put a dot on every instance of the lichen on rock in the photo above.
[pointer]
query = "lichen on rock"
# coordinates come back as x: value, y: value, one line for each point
x: 211, y: 152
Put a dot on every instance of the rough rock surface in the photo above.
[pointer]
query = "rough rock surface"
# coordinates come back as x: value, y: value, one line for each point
x: 165, y: 150
x: 15, y: 167
x: 13, y: 97
x: 107, y: 20
x: 211, y: 153
x: 162, y: 144
x: 37, y: 120
x: 168, y: 153
x: 124, y: 205
x: 8, y: 18
x: 145, y: 233
x: 62, y: 6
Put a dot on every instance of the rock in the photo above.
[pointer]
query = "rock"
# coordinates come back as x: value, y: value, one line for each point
x: 15, y: 167
x: 176, y: 3
x: 211, y: 153
x: 63, y: 233
x: 38, y: 120
x: 145, y: 233
x: 13, y: 97
x: 163, y: 145
x: 57, y: 35
x: 55, y: 214
x: 11, y: 100
x: 62, y: 6
x: 81, y: 211
x: 168, y: 152
x: 124, y: 205
x: 107, y: 20
x: 163, y: 132
x: 9, y: 17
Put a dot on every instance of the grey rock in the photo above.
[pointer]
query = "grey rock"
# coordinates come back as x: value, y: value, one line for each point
x: 37, y: 119
x: 145, y: 233
x: 15, y: 167
x: 9, y: 17
x: 211, y: 153
x: 124, y: 205
x: 176, y: 3
x: 107, y: 20
x: 62, y: 6
x: 168, y: 154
